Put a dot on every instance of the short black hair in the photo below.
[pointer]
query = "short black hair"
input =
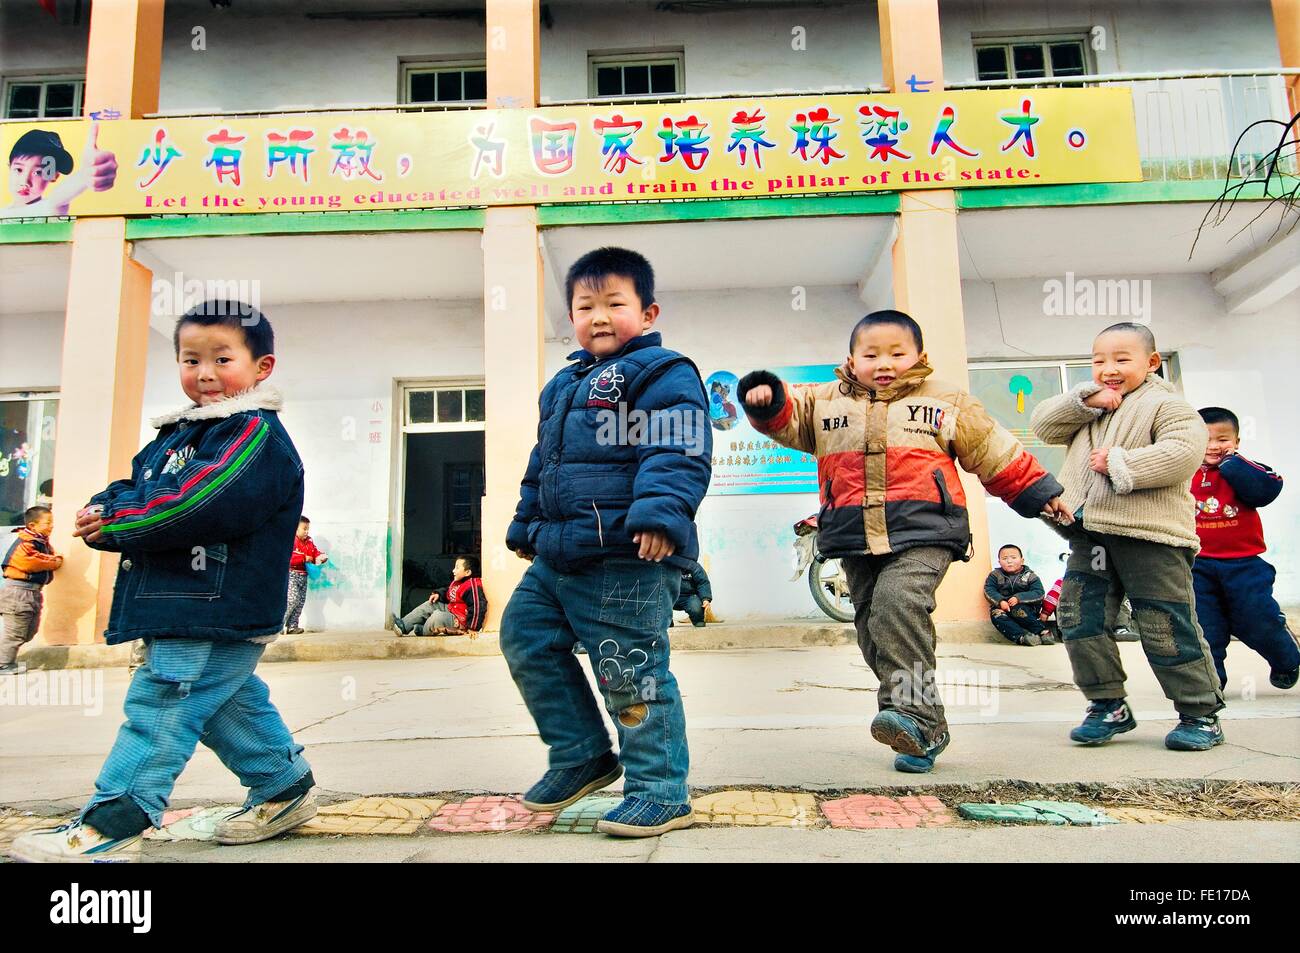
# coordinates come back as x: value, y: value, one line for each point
x: 303, y: 519
x: 232, y: 314
x: 1132, y: 327
x: 1006, y: 546
x: 595, y: 267
x: 1220, y: 415
x: 471, y: 563
x: 887, y: 316
x: 33, y: 513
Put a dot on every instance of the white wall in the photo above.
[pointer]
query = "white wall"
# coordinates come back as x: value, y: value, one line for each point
x: 1138, y: 37
x: 1243, y: 362
x: 31, y: 351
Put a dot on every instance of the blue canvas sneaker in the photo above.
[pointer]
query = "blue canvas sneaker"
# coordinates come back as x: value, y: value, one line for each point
x: 561, y: 787
x: 636, y: 817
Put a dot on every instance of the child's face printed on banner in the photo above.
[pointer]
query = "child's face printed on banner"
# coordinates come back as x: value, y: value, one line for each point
x: 27, y: 183
x: 215, y: 363
x: 1121, y: 361
x: 1223, y: 440
x: 607, y: 317
x: 882, y: 353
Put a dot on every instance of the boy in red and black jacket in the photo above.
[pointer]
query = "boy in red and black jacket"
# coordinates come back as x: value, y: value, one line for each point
x: 304, y: 552
x: 460, y: 605
x: 1234, y: 585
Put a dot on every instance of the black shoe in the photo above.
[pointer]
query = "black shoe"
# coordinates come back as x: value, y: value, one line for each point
x: 399, y: 626
x: 1275, y: 678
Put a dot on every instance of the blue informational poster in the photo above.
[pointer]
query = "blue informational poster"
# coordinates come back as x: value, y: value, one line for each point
x: 746, y: 461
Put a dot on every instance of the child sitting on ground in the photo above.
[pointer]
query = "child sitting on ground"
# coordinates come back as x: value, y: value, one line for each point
x: 457, y: 606
x: 1015, y: 595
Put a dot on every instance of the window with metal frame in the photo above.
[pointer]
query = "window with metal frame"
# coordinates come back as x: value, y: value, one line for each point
x: 1031, y: 57
x: 444, y: 82
x: 55, y: 97
x: 635, y: 74
x: 451, y: 407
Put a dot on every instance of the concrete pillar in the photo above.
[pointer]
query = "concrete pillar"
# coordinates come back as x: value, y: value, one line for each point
x: 1286, y: 20
x: 513, y: 315
x: 927, y: 275
x: 105, y: 332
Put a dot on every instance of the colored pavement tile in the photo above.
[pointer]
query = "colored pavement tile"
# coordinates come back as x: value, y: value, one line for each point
x: 868, y: 811
x: 581, y: 818
x: 481, y: 815
x: 1036, y: 812
x: 757, y: 809
x: 1140, y: 815
x: 1074, y: 813
x: 373, y: 815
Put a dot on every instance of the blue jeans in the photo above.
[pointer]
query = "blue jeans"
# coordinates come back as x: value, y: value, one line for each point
x: 190, y: 690
x: 1235, y: 597
x: 619, y: 611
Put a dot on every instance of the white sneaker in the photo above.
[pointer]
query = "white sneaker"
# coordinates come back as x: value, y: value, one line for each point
x: 74, y: 843
x: 266, y: 820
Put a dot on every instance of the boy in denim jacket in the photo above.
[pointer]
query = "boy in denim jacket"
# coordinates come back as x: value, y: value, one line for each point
x: 212, y: 502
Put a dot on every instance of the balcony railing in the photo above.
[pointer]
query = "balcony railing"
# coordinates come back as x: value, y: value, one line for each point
x: 1188, y: 123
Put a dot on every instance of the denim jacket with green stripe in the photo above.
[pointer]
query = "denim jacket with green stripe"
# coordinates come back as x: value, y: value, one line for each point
x: 205, y: 524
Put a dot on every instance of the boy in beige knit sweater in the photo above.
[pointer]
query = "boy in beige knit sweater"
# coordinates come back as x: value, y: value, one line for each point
x: 1133, y: 447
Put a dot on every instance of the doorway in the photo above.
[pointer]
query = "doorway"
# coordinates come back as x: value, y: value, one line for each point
x: 442, y: 487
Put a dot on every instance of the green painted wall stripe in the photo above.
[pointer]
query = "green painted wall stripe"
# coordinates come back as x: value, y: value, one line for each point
x: 14, y: 233
x: 298, y: 223
x: 624, y: 213
x: 1099, y: 193
x: 210, y: 488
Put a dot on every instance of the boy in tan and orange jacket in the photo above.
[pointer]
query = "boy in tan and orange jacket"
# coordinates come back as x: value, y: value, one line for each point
x: 893, y: 510
x: 28, y: 565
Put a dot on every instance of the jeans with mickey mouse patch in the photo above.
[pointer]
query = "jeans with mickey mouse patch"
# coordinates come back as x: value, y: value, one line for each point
x: 620, y: 611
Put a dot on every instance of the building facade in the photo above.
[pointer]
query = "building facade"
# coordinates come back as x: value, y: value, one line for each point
x: 412, y: 343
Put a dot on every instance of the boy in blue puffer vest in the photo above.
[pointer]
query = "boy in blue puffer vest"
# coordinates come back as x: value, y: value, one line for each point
x: 606, y: 516
x: 211, y: 505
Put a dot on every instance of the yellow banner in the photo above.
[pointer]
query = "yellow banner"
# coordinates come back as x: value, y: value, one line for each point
x: 734, y: 148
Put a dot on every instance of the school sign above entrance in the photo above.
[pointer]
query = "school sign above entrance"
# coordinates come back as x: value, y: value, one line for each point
x: 733, y: 148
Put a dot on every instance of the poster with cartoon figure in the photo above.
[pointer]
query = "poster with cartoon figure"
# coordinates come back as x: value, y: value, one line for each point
x: 44, y: 178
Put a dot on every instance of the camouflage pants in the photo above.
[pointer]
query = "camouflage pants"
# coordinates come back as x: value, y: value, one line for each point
x: 1102, y: 568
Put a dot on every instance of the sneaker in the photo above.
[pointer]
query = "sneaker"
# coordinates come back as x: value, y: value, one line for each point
x: 13, y: 668
x: 911, y: 764
x: 1030, y: 639
x: 1284, y: 679
x: 74, y: 843
x: 399, y: 626
x: 1195, y: 733
x: 1123, y: 634
x: 561, y: 787
x: 1106, y: 718
x: 293, y: 631
x: 639, y: 818
x: 266, y: 820
x: 900, y: 732
x: 1046, y: 637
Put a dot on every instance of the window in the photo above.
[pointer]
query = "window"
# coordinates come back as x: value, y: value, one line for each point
x: 636, y: 74
x: 27, y: 430
x: 1011, y: 391
x: 444, y: 83
x: 444, y: 408
x: 1031, y: 58
x: 57, y: 98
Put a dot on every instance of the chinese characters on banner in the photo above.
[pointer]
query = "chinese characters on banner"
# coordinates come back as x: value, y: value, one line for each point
x: 736, y: 148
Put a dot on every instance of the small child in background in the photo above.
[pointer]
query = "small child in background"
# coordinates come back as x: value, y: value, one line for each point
x: 463, y: 605
x: 1015, y: 595
x: 1234, y: 585
x: 304, y: 552
x: 29, y: 565
x: 695, y: 596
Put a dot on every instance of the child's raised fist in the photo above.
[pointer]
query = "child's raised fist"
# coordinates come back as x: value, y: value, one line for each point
x: 760, y: 396
x: 1104, y: 399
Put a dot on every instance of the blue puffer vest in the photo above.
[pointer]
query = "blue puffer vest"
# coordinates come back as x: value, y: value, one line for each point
x: 205, y: 524
x: 593, y: 481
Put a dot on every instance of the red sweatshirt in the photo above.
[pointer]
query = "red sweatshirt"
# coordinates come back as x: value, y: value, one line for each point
x: 465, y: 601
x: 304, y: 550
x: 1226, y: 499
